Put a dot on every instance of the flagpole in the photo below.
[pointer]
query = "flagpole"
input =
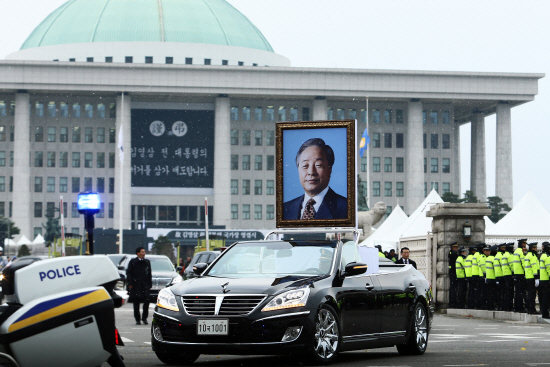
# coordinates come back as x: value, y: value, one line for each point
x: 368, y: 161
x: 62, y: 227
x: 121, y: 156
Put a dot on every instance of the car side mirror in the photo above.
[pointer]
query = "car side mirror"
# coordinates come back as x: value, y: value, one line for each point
x: 178, y: 269
x: 355, y: 268
x: 199, y: 268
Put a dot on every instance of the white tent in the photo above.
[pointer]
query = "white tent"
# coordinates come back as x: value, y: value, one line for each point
x: 418, y: 224
x: 9, y: 242
x: 415, y: 225
x: 488, y: 223
x: 380, y: 236
x: 23, y: 241
x: 527, y: 219
x: 39, y: 240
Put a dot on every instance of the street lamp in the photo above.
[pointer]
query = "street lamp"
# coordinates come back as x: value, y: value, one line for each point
x: 89, y: 204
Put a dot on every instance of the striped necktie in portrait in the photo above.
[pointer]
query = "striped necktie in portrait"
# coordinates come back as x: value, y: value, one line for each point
x: 309, y: 211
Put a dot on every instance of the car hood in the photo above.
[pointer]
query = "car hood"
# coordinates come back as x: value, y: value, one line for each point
x: 268, y: 285
x: 164, y: 274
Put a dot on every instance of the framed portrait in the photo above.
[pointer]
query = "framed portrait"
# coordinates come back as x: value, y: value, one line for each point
x: 316, y: 176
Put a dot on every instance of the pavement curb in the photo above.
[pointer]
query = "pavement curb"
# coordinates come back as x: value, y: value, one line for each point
x: 498, y: 315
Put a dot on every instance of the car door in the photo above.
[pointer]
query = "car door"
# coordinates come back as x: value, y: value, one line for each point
x: 397, y: 298
x: 361, y: 308
x: 360, y: 299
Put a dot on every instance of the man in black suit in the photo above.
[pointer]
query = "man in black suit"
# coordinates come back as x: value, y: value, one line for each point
x: 314, y: 161
x: 405, y: 257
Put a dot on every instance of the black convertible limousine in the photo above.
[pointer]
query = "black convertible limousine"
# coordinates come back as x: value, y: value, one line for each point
x: 284, y: 297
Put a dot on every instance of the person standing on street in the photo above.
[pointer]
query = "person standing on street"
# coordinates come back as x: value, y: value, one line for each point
x: 531, y: 266
x: 140, y: 282
x: 544, y: 286
x: 477, y: 260
x: 508, y: 272
x: 481, y: 299
x: 405, y: 253
x: 498, y: 278
x: 453, y: 256
x: 491, y: 280
x: 472, y: 285
x: 462, y: 286
x: 519, y: 276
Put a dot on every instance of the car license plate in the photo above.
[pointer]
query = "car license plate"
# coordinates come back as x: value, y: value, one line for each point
x: 212, y: 327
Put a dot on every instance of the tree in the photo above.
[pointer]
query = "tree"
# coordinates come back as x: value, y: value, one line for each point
x: 7, y: 230
x: 52, y: 227
x: 498, y: 208
x: 449, y: 197
x: 163, y: 246
x: 23, y: 251
x: 469, y: 197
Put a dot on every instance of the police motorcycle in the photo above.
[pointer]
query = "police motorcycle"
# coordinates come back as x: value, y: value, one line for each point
x: 60, y: 312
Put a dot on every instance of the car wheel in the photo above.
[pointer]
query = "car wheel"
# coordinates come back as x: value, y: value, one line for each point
x: 418, y: 334
x: 177, y: 359
x: 326, y: 338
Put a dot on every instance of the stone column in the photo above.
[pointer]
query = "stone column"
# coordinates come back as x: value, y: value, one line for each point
x: 447, y: 227
x: 414, y: 165
x: 21, y: 196
x: 123, y: 119
x: 478, y: 178
x: 222, y: 162
x: 319, y: 108
x: 504, y: 180
x: 456, y: 189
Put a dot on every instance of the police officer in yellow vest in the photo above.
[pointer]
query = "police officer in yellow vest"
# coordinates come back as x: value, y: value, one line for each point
x: 531, y: 266
x: 491, y: 280
x: 471, y: 277
x: 453, y: 287
x: 544, y: 286
x: 479, y: 260
x: 482, y: 297
x: 498, y: 277
x: 508, y: 271
x: 462, y: 286
x: 380, y: 253
x: 519, y: 276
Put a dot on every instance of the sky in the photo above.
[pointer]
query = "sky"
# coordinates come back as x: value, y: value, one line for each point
x: 486, y: 36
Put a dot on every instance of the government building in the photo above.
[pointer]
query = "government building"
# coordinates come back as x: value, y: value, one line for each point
x: 191, y: 91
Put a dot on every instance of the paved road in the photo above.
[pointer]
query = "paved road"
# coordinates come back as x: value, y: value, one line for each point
x: 454, y: 342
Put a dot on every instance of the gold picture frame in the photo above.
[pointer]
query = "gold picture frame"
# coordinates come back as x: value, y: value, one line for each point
x: 297, y: 140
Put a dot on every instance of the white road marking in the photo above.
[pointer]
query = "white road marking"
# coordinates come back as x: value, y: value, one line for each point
x: 464, y: 365
x: 442, y: 329
x: 126, y: 340
x: 146, y: 342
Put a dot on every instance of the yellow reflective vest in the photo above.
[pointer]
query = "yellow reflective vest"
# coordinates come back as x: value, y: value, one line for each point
x: 517, y: 261
x: 497, y: 266
x: 544, y: 265
x: 481, y: 264
x: 489, y: 266
x: 475, y: 265
x: 468, y: 266
x: 506, y: 263
x: 527, y: 265
x: 460, y: 267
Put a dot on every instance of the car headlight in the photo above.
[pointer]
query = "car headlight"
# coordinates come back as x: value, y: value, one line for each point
x: 167, y: 300
x: 290, y: 299
x: 176, y: 280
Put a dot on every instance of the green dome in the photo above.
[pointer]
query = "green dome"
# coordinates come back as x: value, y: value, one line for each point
x: 187, y: 21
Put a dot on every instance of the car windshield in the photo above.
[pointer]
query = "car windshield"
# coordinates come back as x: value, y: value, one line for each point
x: 116, y: 258
x: 275, y: 259
x: 160, y: 264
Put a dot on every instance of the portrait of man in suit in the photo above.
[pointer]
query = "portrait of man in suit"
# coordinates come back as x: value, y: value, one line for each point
x: 314, y: 162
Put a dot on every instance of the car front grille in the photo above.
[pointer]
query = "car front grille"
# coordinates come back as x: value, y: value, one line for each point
x: 214, y: 305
